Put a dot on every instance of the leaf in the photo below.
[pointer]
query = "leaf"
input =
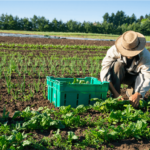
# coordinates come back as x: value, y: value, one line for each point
x: 16, y: 114
x: 14, y: 131
x: 24, y: 135
x: 69, y: 114
x: 80, y: 107
x: 81, y: 81
x: 113, y: 133
x: 26, y: 142
x: 5, y: 124
x: 61, y: 126
x: 141, y: 124
x: 19, y: 137
x: 137, y: 136
x: 94, y: 99
x: 11, y: 138
x: 75, y: 80
x: 57, y: 132
x: 12, y: 148
x: 35, y: 112
x: 18, y: 126
x: 101, y: 130
x: 72, y: 136
x: 53, y: 123
x: 27, y: 109
x: 25, y: 124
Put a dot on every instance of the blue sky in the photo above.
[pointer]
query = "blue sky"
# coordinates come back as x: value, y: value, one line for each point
x: 76, y: 10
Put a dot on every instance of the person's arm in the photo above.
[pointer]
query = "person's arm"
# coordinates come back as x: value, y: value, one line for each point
x: 113, y: 90
x: 144, y: 74
x: 144, y: 81
x: 111, y: 56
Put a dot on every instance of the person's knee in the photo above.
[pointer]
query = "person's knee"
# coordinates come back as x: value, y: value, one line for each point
x: 118, y: 67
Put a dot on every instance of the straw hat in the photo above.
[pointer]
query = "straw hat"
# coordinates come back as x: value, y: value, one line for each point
x: 130, y: 43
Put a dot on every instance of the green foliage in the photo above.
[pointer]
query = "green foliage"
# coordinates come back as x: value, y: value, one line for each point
x: 71, y: 120
x: 112, y: 24
x: 130, y: 123
x: 14, y: 141
x: 79, y: 81
x: 109, y: 104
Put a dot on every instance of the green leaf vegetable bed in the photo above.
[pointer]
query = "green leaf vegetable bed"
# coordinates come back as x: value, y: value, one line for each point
x: 121, y: 121
x: 114, y: 120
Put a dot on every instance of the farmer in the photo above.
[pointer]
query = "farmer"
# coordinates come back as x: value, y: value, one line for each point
x: 128, y: 62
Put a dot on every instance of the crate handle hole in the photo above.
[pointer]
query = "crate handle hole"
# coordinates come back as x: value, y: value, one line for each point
x: 77, y: 102
x: 77, y: 96
x: 64, y: 102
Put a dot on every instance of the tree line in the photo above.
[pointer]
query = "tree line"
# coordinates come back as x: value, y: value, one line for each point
x: 112, y: 24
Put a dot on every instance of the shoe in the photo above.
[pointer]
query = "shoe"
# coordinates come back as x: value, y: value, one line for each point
x: 129, y: 92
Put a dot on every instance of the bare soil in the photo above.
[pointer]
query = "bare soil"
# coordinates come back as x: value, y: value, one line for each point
x: 23, y: 40
x: 39, y: 101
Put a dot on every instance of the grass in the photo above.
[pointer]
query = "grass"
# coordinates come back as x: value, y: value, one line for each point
x: 65, y: 34
x: 69, y: 34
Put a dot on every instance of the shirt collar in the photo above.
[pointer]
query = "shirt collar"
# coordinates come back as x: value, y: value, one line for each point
x: 137, y: 58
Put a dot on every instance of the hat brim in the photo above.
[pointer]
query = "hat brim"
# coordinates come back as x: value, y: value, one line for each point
x: 132, y: 52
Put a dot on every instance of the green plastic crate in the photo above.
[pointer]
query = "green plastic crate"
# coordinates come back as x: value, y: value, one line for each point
x: 63, y: 94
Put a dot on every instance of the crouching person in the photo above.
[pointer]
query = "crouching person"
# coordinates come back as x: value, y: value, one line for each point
x: 128, y: 62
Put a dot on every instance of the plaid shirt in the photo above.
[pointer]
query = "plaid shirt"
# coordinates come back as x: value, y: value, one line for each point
x: 139, y: 66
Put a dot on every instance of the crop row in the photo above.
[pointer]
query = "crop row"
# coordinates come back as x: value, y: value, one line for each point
x: 40, y: 68
x: 130, y: 123
x: 52, y: 53
x: 47, y: 46
x: 51, y: 46
x: 24, y: 77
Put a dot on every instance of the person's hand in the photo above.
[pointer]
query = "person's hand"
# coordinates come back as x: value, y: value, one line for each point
x: 117, y: 95
x: 135, y: 98
x: 121, y: 98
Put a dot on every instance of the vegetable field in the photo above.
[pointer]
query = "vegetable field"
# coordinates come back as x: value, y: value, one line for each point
x: 29, y: 121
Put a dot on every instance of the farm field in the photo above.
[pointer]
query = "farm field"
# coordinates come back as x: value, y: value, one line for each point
x: 29, y: 121
x: 64, y: 34
x: 68, y: 34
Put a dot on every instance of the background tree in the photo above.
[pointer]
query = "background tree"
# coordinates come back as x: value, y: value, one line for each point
x: 87, y: 27
x: 42, y: 24
x: 132, y: 19
x: 34, y: 21
x: 112, y: 18
x: 145, y: 27
x: 139, y: 20
x: 106, y: 17
x: 112, y: 24
x: 27, y: 25
x: 72, y: 26
x: 55, y: 25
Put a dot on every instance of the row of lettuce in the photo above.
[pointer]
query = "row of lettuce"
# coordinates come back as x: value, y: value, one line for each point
x: 121, y: 121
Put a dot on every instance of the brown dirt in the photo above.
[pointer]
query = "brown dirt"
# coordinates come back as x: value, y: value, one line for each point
x: 39, y: 101
x: 23, y: 40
